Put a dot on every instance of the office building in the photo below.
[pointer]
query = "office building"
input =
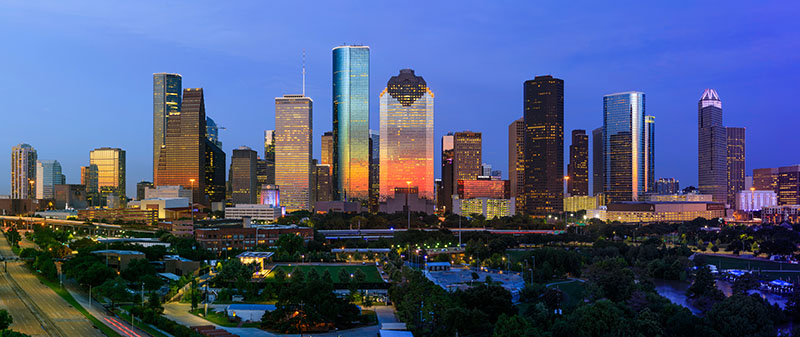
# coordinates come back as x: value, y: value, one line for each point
x: 374, y: 171
x: 780, y: 214
x: 624, y: 150
x: 544, y: 145
x: 253, y: 211
x: 649, y: 154
x: 406, y: 131
x: 486, y: 170
x: 667, y: 211
x: 48, y: 174
x: 110, y: 215
x: 140, y: 188
x: 293, y: 151
x: 214, y: 171
x: 581, y: 202
x: 110, y: 163
x: 167, y: 192
x: 70, y: 196
x: 182, y: 158
x: 789, y: 185
x: 483, y: 188
x: 351, y: 122
x: 323, y: 180
x: 754, y: 200
x: 676, y: 197
x: 712, y: 165
x: 166, y: 102
x: 488, y: 207
x: 212, y: 132
x: 23, y: 172
x: 446, y: 187
x: 326, y: 148
x: 766, y: 179
x: 578, y: 167
x: 223, y: 238
x: 735, y: 162
x: 467, y: 156
x: 598, y: 174
x: 269, y: 157
x: 243, y: 176
x: 668, y: 186
x: 89, y: 180
x: 405, y: 199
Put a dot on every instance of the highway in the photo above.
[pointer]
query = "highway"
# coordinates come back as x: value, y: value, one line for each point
x: 37, y: 310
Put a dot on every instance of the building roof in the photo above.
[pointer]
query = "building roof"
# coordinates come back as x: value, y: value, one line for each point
x: 169, y: 276
x: 264, y: 255
x: 118, y: 252
x: 393, y: 333
x: 266, y: 307
x: 435, y: 264
x: 176, y: 257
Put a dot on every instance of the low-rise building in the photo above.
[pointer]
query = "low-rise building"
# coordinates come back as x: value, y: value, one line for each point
x: 167, y: 192
x: 259, y: 259
x: 337, y: 206
x: 119, y: 259
x: 780, y: 214
x: 178, y: 228
x: 254, y: 211
x: 662, y: 211
x: 754, y: 200
x: 143, y: 216
x: 675, y: 197
x: 63, y: 214
x: 488, y: 207
x: 167, y: 208
x: 221, y: 238
x: 180, y: 266
x: 581, y: 202
x: 406, y: 196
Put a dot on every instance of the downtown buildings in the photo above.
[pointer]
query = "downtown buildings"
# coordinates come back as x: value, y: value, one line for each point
x: 293, y: 151
x: 110, y: 172
x: 166, y: 102
x: 48, y: 175
x: 23, y: 172
x: 578, y: 167
x: 711, y: 147
x: 624, y: 153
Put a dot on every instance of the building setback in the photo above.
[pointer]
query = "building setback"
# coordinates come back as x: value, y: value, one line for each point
x: 598, y: 175
x: 735, y: 162
x: 23, y: 172
x: 243, y: 175
x: 578, y: 167
x: 544, y: 145
x: 516, y: 161
x: 293, y: 151
x: 624, y: 145
x: 712, y: 150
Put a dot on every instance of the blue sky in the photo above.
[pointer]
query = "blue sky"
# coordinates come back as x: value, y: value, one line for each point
x: 77, y: 75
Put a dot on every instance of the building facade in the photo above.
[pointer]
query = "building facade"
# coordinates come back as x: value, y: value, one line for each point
x: 374, y: 171
x: 323, y: 180
x: 253, y: 211
x: 544, y: 145
x: 516, y: 160
x: 140, y: 188
x: 48, y: 175
x: 712, y: 150
x: 293, y: 151
x: 624, y: 145
x: 166, y: 102
x: 766, y: 179
x: 243, y: 176
x: 667, y: 186
x: 578, y: 167
x: 780, y: 214
x: 406, y: 130
x: 70, y: 196
x: 214, y: 172
x: 269, y: 156
x: 444, y: 202
x: 488, y: 207
x: 326, y: 148
x: 649, y: 153
x: 789, y: 185
x: 580, y: 202
x: 735, y: 162
x: 755, y: 200
x: 23, y: 172
x: 110, y: 163
x: 483, y: 188
x: 598, y: 174
x: 668, y: 211
x: 351, y: 122
x: 467, y: 157
x: 89, y: 180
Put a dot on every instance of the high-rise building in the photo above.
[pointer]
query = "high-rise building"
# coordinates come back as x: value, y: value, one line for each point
x: 351, y: 122
x: 326, y: 148
x: 141, y: 187
x: 23, y: 172
x: 516, y: 160
x: 598, y: 173
x: 323, y: 180
x: 624, y: 142
x: 48, y: 175
x: 269, y: 156
x: 486, y: 170
x: 649, y: 153
x: 89, y: 180
x: 665, y: 186
x: 243, y: 175
x: 166, y: 102
x: 212, y: 132
x: 789, y: 185
x: 544, y: 145
x: 110, y: 163
x: 182, y: 158
x: 711, y: 147
x: 374, y: 171
x: 766, y: 179
x: 293, y: 151
x: 578, y: 167
x: 444, y: 200
x: 735, y: 163
x: 467, y: 157
x: 406, y: 129
x: 214, y: 171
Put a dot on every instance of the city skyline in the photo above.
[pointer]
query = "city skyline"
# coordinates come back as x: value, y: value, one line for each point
x: 129, y: 102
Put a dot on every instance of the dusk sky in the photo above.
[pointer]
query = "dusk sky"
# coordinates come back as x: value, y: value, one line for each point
x: 77, y: 75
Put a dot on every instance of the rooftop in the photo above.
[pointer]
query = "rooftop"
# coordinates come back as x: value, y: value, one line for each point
x: 118, y: 252
x: 263, y: 255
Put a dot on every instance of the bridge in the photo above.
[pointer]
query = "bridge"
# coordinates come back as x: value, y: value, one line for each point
x: 93, y: 227
x: 375, y: 234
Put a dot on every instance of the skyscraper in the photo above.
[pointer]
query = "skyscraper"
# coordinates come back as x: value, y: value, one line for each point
x: 444, y: 200
x: 243, y: 175
x: 48, y: 175
x: 467, y: 157
x: 374, y: 171
x: 23, y: 172
x: 140, y: 188
x: 544, y: 145
x: 214, y: 169
x: 624, y: 142
x: 578, y: 167
x: 711, y: 147
x: 212, y: 132
x: 293, y: 151
x: 735, y: 162
x: 598, y: 176
x: 269, y: 156
x: 406, y: 129
x: 667, y: 186
x: 166, y: 102
x: 326, y: 148
x: 323, y: 180
x: 789, y: 185
x: 351, y: 122
x: 516, y: 161
x: 766, y: 179
x: 89, y: 180
x: 649, y: 153
x: 110, y: 164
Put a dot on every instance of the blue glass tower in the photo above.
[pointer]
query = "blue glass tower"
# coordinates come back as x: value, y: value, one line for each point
x: 624, y: 146
x: 351, y: 122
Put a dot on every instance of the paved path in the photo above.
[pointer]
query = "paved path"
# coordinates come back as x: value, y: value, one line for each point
x: 122, y: 327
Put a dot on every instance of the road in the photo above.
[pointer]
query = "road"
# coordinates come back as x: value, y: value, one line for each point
x: 36, y: 309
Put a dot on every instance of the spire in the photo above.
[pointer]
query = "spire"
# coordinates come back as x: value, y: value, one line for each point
x: 304, y: 72
x: 710, y: 97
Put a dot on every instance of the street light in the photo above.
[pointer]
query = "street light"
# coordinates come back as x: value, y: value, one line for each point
x: 408, y: 209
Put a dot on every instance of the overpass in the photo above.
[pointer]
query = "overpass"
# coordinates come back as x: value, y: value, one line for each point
x: 375, y: 234
x: 108, y: 229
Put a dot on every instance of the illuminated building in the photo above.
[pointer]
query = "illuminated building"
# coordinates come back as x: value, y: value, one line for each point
x: 598, y: 174
x: 766, y: 179
x: 270, y: 196
x: 488, y: 207
x: 735, y: 162
x: 226, y: 237
x: 649, y: 153
x: 110, y: 163
x: 212, y: 132
x: 667, y: 186
x: 483, y: 188
x: 323, y: 180
x: 167, y: 192
x: 89, y: 179
x: 676, y: 197
x: 243, y: 176
x: 754, y: 200
x: 293, y: 151
x: 581, y: 202
x: 578, y: 167
x: 254, y: 211
x: 269, y: 157
x: 351, y: 122
x: 444, y: 201
x: 780, y: 214
x: 406, y: 129
x: 48, y: 174
x: 142, y: 216
x: 23, y: 172
x: 789, y: 185
x: 516, y: 160
x: 326, y: 148
x: 182, y: 158
x: 663, y: 211
x: 166, y: 102
x: 711, y: 147
x: 374, y: 171
x: 214, y: 172
x: 140, y: 188
x: 544, y: 145
x: 624, y: 150
x: 467, y: 156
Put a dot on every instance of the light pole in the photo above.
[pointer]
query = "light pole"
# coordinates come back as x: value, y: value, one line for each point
x: 408, y: 209
x: 191, y: 200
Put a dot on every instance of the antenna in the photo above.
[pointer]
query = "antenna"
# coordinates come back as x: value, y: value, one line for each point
x: 304, y: 72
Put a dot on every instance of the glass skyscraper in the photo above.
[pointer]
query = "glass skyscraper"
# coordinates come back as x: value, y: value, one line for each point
x: 735, y: 161
x: 578, y: 167
x: 444, y: 196
x: 712, y: 149
x: 23, y: 172
x: 374, y: 171
x: 516, y: 161
x: 598, y: 179
x: 110, y: 164
x: 624, y: 142
x: 351, y: 122
x: 293, y: 151
x: 166, y: 101
x: 242, y: 176
x: 406, y: 131
x: 48, y: 175
x: 544, y: 145
x: 650, y: 153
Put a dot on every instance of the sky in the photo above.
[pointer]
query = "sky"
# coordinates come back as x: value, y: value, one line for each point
x: 77, y: 75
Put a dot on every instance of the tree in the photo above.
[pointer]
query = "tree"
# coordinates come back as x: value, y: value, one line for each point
x: 514, y: 326
x: 745, y: 283
x: 290, y: 244
x: 359, y: 276
x: 741, y: 315
x: 5, y: 319
x: 611, y: 278
x: 193, y: 292
x: 137, y: 269
x: 603, y: 318
x: 704, y: 285
x: 280, y: 275
x: 115, y: 290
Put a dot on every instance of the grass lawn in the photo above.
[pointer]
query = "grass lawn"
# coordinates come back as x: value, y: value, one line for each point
x: 724, y: 262
x: 371, y: 272
x: 573, y: 292
x: 68, y: 297
x: 219, y: 318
